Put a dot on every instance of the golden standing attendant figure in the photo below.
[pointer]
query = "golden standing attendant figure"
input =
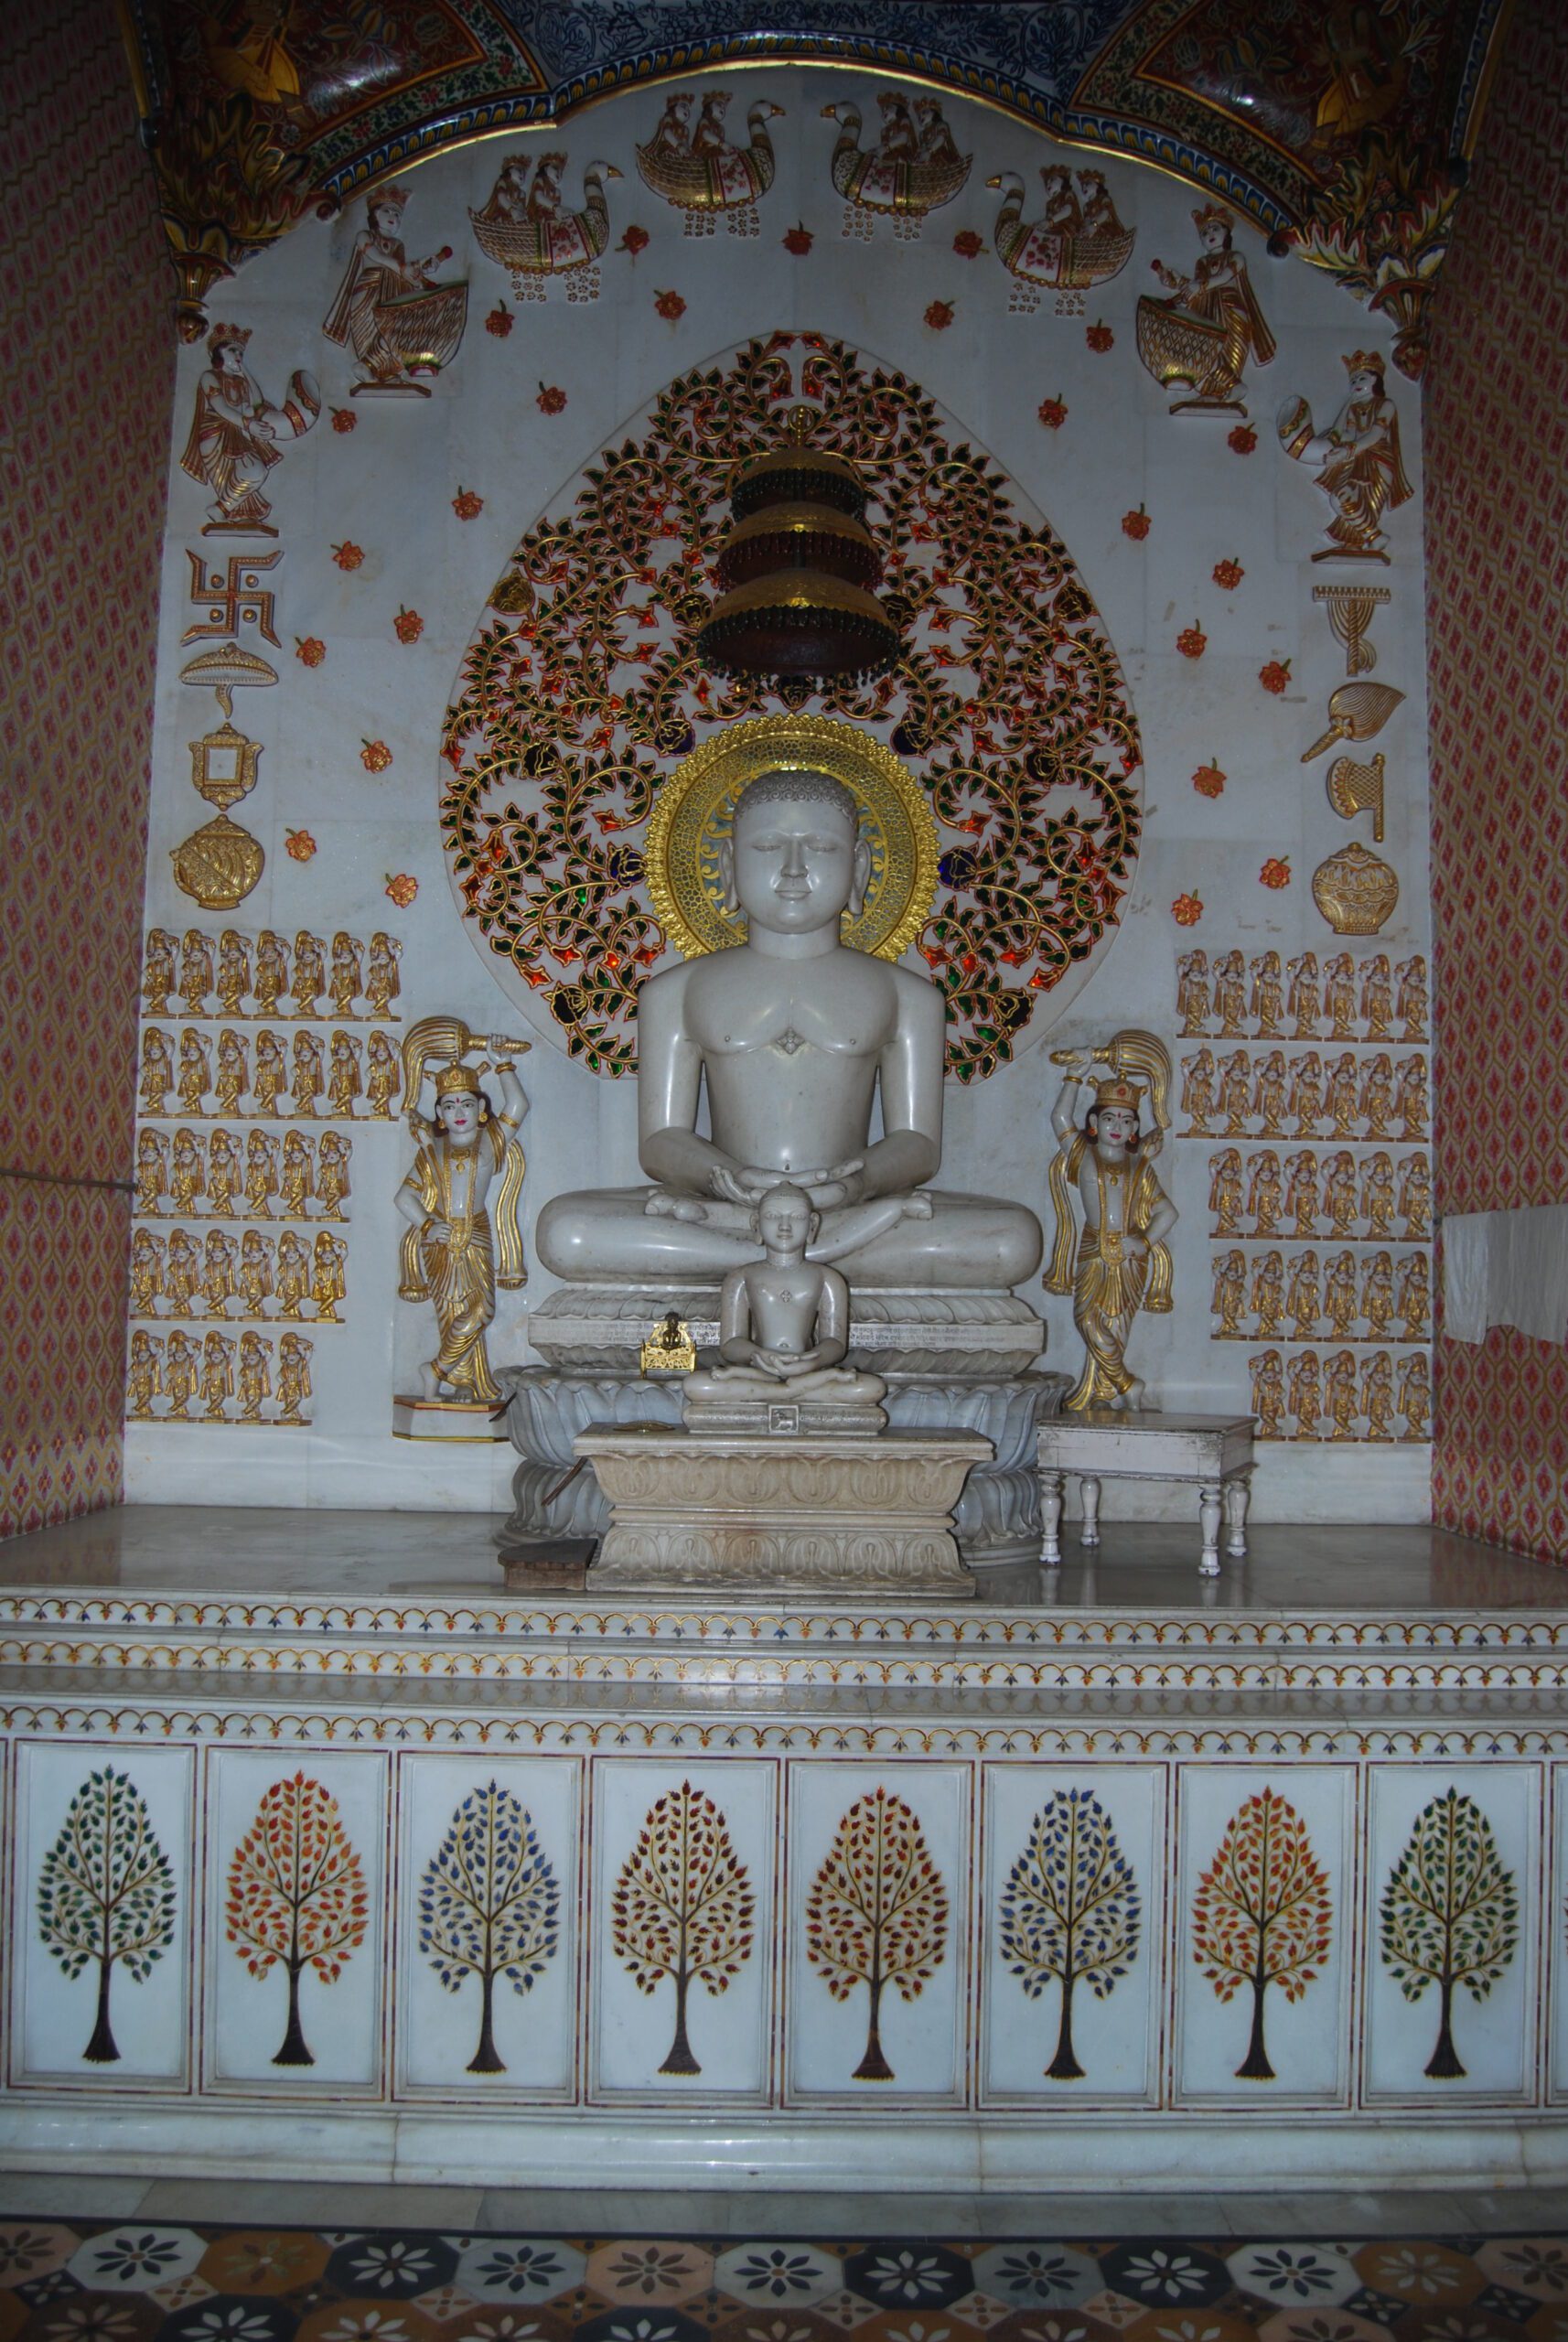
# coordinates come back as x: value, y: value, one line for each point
x: 1412, y: 1301
x: 1266, y: 1196
x: 1231, y: 994
x: 147, y: 1273
x: 328, y: 1285
x: 1225, y: 1191
x: 297, y: 1181
x: 1378, y: 1296
x: 152, y: 1172
x: 1268, y: 1393
x: 272, y: 972
x: 294, y: 1274
x: 195, y: 1071
x: 157, y: 971
x: 1341, y: 1097
x: 309, y: 1075
x: 346, y: 978
x: 1412, y: 997
x: 222, y: 1173
x: 1339, y: 1194
x: 1268, y: 1095
x: 1229, y: 1292
x: 1192, y: 994
x: 1340, y: 1296
x: 1197, y: 1094
x: 345, y: 1083
x: 157, y: 1070
x: 1268, y: 995
x: 1378, y: 1395
x: 194, y: 971
x: 261, y: 1173
x: 233, y: 1071
x: 1306, y: 1394
x: 332, y: 1173
x: 144, y: 1379
x: 255, y: 1377
x: 1415, y: 1198
x: 233, y: 972
x: 383, y: 1076
x: 1339, y: 1391
x: 1300, y: 1192
x: 217, y: 1374
x: 190, y: 1175
x: 1269, y: 1296
x: 1377, y: 998
x: 1416, y: 1396
x: 382, y: 981
x: 1123, y: 1263
x: 1235, y: 1085
x: 309, y: 973
x: 454, y: 1253
x: 1303, y: 1302
x: 1339, y: 996
x: 181, y: 1360
x: 1306, y: 997
x: 182, y: 1274
x: 293, y: 1377
x: 1378, y: 1195
x: 271, y: 1074
x: 255, y: 1272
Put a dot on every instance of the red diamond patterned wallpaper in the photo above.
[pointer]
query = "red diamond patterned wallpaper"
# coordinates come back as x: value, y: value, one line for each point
x: 1496, y: 475
x: 85, y: 313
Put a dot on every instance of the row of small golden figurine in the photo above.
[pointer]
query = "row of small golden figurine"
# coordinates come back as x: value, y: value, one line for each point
x: 237, y: 970
x: 1372, y: 1092
x: 371, y: 1070
x: 1358, y: 1005
x: 1305, y: 1291
x: 180, y: 1369
x: 206, y: 1173
x: 180, y: 1268
x: 1271, y: 1189
x: 1310, y: 1388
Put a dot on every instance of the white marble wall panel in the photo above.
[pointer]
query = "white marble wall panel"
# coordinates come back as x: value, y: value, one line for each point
x: 684, y: 1861
x: 1453, y: 1881
x: 879, y: 1891
x: 486, y: 1959
x: 1072, y: 1881
x: 296, y: 1887
x: 1265, y: 1874
x: 100, y: 1851
x: 1555, y: 1921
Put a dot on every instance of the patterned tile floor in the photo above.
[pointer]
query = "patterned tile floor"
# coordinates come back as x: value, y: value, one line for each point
x: 146, y: 2279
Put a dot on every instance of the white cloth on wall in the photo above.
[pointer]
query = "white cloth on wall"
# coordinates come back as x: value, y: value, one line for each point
x: 1506, y: 1268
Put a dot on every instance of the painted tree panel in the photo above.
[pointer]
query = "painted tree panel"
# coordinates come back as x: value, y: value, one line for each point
x: 877, y: 1914
x: 683, y: 1908
x: 296, y: 1896
x: 106, y: 1895
x: 489, y: 1906
x: 1071, y: 1912
x: 1262, y: 1914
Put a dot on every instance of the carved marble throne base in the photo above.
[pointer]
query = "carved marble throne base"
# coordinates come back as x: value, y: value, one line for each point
x: 808, y: 1514
x: 600, y: 1328
x: 998, y: 1520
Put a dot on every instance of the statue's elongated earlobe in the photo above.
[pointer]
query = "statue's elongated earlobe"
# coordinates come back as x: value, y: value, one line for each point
x: 726, y: 875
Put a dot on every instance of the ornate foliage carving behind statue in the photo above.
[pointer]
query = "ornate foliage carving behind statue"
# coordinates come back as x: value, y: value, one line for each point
x: 582, y: 688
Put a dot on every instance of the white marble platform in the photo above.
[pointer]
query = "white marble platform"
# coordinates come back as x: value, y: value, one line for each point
x: 210, y: 1659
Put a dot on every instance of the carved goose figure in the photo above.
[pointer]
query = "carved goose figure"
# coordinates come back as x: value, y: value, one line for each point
x: 534, y: 249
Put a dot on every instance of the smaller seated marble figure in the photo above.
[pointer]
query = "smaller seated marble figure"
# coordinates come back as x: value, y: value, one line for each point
x: 784, y: 1319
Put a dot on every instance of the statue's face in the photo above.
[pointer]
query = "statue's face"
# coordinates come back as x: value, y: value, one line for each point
x: 782, y: 1222
x: 1118, y: 1125
x: 794, y: 865
x: 459, y: 1116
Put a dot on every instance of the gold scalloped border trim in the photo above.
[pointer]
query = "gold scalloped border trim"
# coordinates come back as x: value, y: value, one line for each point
x: 692, y: 811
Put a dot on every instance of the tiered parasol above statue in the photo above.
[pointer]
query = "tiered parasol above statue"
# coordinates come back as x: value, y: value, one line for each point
x: 797, y: 570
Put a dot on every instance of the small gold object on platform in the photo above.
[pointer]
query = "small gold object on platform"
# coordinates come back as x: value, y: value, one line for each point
x: 1355, y: 890
x: 670, y: 1349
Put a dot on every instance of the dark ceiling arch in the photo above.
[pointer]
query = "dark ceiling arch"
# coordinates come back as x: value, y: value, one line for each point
x: 1340, y: 126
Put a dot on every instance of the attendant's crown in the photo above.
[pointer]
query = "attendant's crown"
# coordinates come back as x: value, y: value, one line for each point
x: 238, y: 335
x: 453, y: 1078
x: 1371, y: 360
x: 1213, y: 215
x: 1119, y: 1093
x: 396, y: 196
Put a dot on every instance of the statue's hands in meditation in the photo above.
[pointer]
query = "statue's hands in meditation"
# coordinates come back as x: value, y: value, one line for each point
x: 795, y: 1039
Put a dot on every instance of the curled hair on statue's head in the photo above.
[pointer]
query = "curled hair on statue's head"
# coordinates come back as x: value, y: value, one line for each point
x: 802, y: 787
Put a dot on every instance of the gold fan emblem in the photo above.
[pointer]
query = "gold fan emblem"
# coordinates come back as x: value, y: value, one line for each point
x: 694, y: 808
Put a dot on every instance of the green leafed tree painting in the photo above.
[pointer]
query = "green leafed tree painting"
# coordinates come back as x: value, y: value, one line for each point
x: 1450, y: 1915
x: 296, y: 1895
x: 106, y: 1894
x: 488, y: 1907
x: 1262, y: 1915
x: 682, y: 1908
x: 877, y: 1914
x: 1069, y: 1911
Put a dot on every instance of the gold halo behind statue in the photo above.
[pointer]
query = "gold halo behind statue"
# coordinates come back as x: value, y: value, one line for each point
x: 694, y: 810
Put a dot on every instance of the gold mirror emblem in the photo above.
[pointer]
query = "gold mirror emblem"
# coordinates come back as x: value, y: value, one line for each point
x: 693, y: 810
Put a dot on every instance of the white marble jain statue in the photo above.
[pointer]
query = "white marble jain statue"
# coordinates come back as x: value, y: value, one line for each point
x: 784, y: 1320
x: 797, y: 1038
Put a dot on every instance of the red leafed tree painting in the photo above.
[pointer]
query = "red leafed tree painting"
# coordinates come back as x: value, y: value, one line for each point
x: 683, y: 1907
x: 1262, y: 1914
x: 296, y: 1895
x: 877, y: 1914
